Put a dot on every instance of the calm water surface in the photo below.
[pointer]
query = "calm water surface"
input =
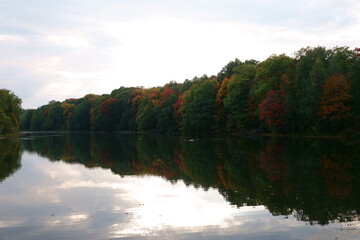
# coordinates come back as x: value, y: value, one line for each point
x: 129, y: 186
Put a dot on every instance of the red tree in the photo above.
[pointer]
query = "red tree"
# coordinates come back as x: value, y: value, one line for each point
x: 166, y: 93
x: 335, y: 97
x: 107, y: 105
x: 176, y: 106
x: 357, y: 52
x: 272, y: 109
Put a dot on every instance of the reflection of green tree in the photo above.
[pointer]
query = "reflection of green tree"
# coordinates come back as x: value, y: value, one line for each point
x: 113, y: 151
x: 237, y: 161
x: 288, y: 177
x: 9, y: 157
x: 199, y: 161
x: 155, y: 156
x: 51, y: 147
x: 316, y: 180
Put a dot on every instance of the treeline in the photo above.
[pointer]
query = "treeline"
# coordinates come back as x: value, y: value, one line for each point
x: 316, y: 180
x: 316, y: 91
x: 10, y: 109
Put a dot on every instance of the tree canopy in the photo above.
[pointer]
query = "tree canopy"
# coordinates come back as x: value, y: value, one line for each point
x: 10, y: 109
x: 315, y: 91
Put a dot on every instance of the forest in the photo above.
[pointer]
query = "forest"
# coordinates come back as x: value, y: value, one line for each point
x: 10, y: 110
x: 317, y: 91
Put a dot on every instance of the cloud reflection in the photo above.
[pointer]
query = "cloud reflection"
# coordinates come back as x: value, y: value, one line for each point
x: 58, y: 199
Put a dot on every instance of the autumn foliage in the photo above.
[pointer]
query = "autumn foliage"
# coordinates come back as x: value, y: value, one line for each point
x: 309, y: 93
x: 272, y: 109
x: 357, y: 52
x: 166, y: 93
x: 107, y: 105
x: 335, y: 98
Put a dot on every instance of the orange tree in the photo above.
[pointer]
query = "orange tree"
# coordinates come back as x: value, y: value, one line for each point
x: 334, y: 108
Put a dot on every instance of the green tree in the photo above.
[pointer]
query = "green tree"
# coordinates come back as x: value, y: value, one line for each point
x: 166, y: 121
x: 10, y: 109
x: 127, y: 119
x: 236, y: 100
x: 25, y: 119
x: 81, y: 118
x: 146, y: 117
x: 228, y: 70
x: 268, y: 76
x: 198, y: 107
x: 310, y: 75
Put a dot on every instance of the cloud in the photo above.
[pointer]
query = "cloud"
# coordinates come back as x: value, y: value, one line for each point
x: 68, y: 40
x: 70, y: 48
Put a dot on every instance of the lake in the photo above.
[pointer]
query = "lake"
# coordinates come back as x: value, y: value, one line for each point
x: 138, y: 186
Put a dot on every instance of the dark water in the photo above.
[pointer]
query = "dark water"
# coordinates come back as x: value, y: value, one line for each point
x: 129, y: 186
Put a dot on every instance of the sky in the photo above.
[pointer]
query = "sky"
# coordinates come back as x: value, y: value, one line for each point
x: 54, y: 50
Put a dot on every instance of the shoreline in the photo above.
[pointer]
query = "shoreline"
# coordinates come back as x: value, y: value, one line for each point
x: 246, y: 135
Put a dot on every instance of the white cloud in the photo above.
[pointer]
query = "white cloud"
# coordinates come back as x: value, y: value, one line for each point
x: 62, y: 50
x: 11, y: 38
x: 68, y: 40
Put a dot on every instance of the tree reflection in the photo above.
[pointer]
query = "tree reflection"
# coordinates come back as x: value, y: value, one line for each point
x: 314, y: 180
x: 9, y: 157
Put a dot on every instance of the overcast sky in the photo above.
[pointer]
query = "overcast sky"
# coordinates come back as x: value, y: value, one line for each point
x: 53, y: 50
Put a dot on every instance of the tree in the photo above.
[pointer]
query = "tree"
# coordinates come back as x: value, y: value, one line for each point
x: 148, y: 109
x: 123, y: 100
x: 56, y: 116
x: 166, y: 121
x: 25, y: 119
x: 198, y: 107
x: 340, y: 60
x: 272, y: 110
x: 220, y: 112
x: 166, y: 94
x: 68, y: 111
x: 268, y: 75
x: 146, y: 117
x: 357, y: 52
x: 310, y: 75
x: 335, y: 98
x: 236, y: 100
x: 81, y: 118
x: 109, y: 114
x: 10, y: 109
x: 228, y: 70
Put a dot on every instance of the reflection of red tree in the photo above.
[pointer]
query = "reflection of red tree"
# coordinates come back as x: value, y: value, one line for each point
x: 271, y: 162
x: 337, y: 180
x: 90, y: 164
x: 167, y: 172
x: 160, y: 168
x: 156, y: 168
x: 138, y: 168
x: 178, y: 161
x: 223, y: 178
x: 106, y: 160
x: 67, y: 153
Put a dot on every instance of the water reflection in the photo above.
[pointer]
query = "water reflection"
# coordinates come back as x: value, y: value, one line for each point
x: 281, y: 182
x: 9, y: 157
